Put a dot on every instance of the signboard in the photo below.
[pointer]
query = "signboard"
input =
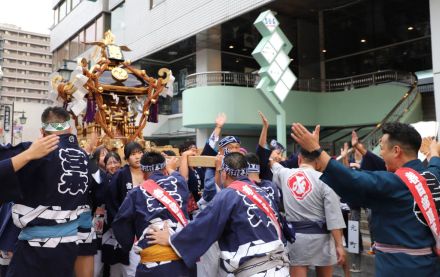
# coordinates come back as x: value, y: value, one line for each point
x: 353, y: 236
x: 272, y: 55
x: 7, y: 119
x: 276, y: 77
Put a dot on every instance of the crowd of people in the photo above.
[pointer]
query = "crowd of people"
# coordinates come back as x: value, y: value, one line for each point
x: 67, y: 212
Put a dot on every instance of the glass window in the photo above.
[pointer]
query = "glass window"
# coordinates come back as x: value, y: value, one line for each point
x: 63, y: 10
x: 55, y: 16
x: 74, y: 47
x: 68, y: 5
x: 90, y: 34
x: 82, y: 46
x: 117, y: 24
x: 100, y: 27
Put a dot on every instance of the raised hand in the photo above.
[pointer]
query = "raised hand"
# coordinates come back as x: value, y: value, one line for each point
x: 354, y: 138
x: 308, y: 141
x: 171, y: 164
x: 43, y: 146
x: 220, y: 120
x: 264, y: 120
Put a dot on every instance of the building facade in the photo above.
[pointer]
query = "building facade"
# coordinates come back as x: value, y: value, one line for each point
x: 26, y: 63
x: 208, y: 46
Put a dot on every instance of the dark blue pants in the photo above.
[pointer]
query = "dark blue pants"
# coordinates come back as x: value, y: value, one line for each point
x: 31, y: 261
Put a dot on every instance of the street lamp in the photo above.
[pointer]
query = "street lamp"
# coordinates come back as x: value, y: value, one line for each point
x: 66, y: 70
x: 22, y: 118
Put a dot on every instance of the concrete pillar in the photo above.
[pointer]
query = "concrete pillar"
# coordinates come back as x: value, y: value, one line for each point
x: 202, y: 134
x: 434, y: 7
x: 208, y: 50
x: 208, y: 59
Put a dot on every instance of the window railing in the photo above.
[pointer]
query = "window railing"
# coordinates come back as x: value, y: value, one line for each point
x: 226, y: 78
x: 221, y: 78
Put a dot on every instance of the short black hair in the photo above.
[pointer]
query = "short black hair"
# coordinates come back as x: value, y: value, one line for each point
x: 404, y: 135
x: 169, y: 152
x: 110, y: 155
x: 186, y: 145
x: 235, y: 160
x: 306, y: 155
x: 152, y: 157
x: 55, y: 114
x: 252, y: 158
x: 131, y: 147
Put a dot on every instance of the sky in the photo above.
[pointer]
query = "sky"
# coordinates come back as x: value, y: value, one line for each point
x: 30, y: 15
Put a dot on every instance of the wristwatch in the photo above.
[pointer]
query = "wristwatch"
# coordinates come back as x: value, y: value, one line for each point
x: 316, y: 153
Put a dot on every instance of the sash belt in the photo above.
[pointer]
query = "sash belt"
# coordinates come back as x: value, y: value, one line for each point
x: 260, y: 264
x: 158, y: 253
x: 388, y: 248
x: 310, y: 227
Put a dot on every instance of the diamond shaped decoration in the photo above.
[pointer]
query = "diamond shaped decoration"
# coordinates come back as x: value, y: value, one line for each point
x: 268, y: 52
x: 281, y: 91
x: 275, y: 72
x: 276, y: 41
x: 282, y: 60
x: 288, y: 78
x: 266, y: 23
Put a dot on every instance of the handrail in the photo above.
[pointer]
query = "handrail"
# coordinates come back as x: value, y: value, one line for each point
x: 371, y: 140
x: 221, y: 78
x: 227, y: 78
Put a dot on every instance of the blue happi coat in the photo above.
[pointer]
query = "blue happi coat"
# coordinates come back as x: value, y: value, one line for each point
x: 55, y: 191
x: 396, y: 220
x: 53, y: 212
x: 242, y: 230
x: 140, y: 210
x: 10, y: 185
x: 118, y: 187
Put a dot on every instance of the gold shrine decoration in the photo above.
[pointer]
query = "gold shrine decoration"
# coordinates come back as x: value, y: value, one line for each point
x: 102, y: 97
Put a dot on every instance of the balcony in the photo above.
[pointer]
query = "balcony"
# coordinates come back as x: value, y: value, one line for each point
x: 28, y: 58
x: 26, y: 40
x: 348, y: 101
x: 221, y: 78
x: 25, y: 76
x: 24, y: 85
x: 7, y: 64
x: 23, y: 95
x: 27, y: 49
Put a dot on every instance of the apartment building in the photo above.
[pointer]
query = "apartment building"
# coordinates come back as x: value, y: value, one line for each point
x: 25, y: 59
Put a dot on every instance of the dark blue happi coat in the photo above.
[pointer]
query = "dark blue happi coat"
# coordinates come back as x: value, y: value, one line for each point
x: 53, y: 211
x: 118, y: 187
x: 140, y: 211
x: 396, y: 219
x: 10, y: 185
x: 272, y: 191
x: 242, y: 230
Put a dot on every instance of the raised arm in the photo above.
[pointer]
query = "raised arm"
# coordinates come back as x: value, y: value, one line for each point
x: 39, y: 148
x: 354, y: 186
x: 262, y: 142
x: 184, y: 167
x: 220, y: 120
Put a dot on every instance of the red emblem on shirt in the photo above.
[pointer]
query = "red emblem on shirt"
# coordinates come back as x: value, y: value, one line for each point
x: 299, y: 185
